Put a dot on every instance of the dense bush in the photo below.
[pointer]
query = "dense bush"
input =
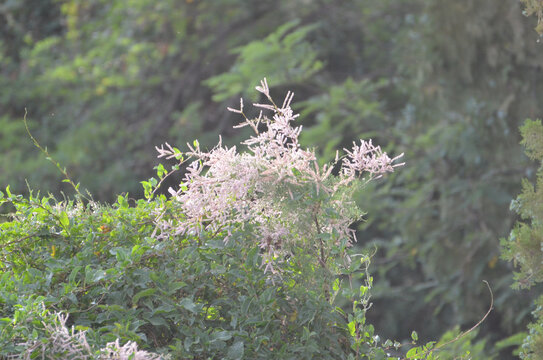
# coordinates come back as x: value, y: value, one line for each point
x: 192, y: 297
x: 248, y: 259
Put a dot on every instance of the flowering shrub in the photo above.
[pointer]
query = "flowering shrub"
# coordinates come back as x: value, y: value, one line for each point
x: 184, y: 296
x: 276, y: 186
x: 63, y: 343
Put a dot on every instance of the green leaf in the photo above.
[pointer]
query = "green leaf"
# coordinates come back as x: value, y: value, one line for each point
x: 236, y: 350
x: 352, y: 327
x: 412, y: 352
x: 64, y: 220
x: 414, y: 335
x: 161, y: 171
x: 222, y: 335
x: 122, y: 201
x: 137, y: 250
x: 73, y: 274
x: 143, y: 293
x: 335, y: 287
x: 176, y: 285
x: 189, y: 305
x: 158, y: 321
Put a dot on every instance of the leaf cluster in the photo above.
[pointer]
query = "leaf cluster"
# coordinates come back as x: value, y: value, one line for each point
x: 191, y: 298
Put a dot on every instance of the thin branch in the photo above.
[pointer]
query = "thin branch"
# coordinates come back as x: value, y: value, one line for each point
x: 463, y: 334
x: 48, y: 156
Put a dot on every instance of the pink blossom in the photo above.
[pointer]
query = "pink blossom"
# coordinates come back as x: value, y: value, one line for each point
x: 224, y: 189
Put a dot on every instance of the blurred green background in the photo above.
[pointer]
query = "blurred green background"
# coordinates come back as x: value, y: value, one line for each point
x: 446, y: 82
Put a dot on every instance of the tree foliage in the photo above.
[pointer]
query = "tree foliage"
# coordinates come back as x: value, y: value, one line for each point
x: 524, y: 245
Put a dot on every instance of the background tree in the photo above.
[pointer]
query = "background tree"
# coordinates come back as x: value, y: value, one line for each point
x: 524, y: 245
x: 468, y: 83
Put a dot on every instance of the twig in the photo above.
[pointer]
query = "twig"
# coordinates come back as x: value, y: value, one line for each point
x: 463, y: 334
x: 48, y: 156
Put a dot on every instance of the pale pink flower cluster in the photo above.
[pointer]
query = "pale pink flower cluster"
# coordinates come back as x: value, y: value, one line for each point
x: 70, y: 344
x: 369, y: 158
x: 224, y: 189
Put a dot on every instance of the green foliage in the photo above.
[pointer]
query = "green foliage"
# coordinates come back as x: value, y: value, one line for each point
x: 524, y: 245
x: 451, y: 346
x: 532, y: 139
x: 284, y: 57
x: 352, y: 107
x: 532, y: 7
x: 193, y: 298
x: 532, y: 348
